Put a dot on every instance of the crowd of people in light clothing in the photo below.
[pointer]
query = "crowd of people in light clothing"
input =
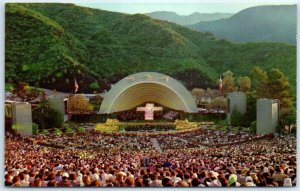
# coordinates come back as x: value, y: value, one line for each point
x: 117, y: 160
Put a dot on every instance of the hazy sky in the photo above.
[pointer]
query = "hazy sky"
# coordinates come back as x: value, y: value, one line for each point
x: 179, y: 7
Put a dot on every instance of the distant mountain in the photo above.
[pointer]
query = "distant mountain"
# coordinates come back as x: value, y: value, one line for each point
x: 48, y: 45
x: 256, y: 24
x: 187, y: 19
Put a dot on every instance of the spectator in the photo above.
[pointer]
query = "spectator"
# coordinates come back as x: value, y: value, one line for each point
x: 114, y: 160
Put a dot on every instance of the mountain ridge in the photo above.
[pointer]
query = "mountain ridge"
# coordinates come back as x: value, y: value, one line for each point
x: 102, y: 47
x: 187, y: 19
x: 272, y: 23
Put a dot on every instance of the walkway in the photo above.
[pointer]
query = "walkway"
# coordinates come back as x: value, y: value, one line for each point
x: 156, y: 144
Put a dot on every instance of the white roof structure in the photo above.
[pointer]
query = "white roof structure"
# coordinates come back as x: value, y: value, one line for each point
x: 143, y: 87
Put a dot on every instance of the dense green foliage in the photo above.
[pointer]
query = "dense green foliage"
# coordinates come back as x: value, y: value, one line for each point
x: 253, y: 127
x: 9, y: 87
x: 35, y: 128
x: 273, y: 84
x: 261, y: 23
x: 47, y: 45
x: 44, y: 132
x: 187, y: 19
x: 236, y: 118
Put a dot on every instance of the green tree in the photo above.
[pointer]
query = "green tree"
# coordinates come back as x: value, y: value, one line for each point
x: 273, y: 85
x: 228, y: 82
x: 245, y: 84
x: 261, y: 81
x: 279, y: 88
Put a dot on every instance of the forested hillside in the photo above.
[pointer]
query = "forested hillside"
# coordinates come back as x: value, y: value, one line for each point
x: 48, y: 45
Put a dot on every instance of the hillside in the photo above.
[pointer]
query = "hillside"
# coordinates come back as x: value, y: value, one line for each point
x: 48, y: 45
x: 187, y: 19
x: 255, y: 24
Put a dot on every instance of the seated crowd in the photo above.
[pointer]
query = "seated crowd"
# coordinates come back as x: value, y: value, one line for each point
x: 116, y: 160
x: 98, y: 141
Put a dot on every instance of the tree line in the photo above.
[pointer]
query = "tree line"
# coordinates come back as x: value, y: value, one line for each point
x: 270, y: 84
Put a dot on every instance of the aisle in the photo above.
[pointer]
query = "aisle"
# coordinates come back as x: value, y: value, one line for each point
x: 156, y: 144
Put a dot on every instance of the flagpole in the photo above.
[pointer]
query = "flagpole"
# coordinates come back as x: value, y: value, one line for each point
x: 75, y: 90
x: 75, y: 110
x: 220, y: 85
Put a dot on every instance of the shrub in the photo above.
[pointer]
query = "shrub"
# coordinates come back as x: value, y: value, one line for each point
x: 52, y: 119
x: 69, y: 124
x: 45, y: 132
x: 35, y: 128
x: 57, y: 131
x: 184, y: 124
x: 253, y: 127
x: 223, y: 122
x: 223, y: 128
x: 106, y: 128
x: 112, y: 122
x: 68, y: 130
x: 69, y: 127
x: 235, y: 129
x: 236, y: 117
x: 81, y: 129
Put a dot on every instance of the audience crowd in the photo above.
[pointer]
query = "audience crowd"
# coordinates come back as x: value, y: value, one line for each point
x: 171, y: 115
x: 94, y: 159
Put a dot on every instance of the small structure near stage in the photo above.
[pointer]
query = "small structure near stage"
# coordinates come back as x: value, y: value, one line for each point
x: 22, y: 118
x: 238, y: 100
x: 267, y: 115
x: 58, y: 103
x: 149, y: 110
